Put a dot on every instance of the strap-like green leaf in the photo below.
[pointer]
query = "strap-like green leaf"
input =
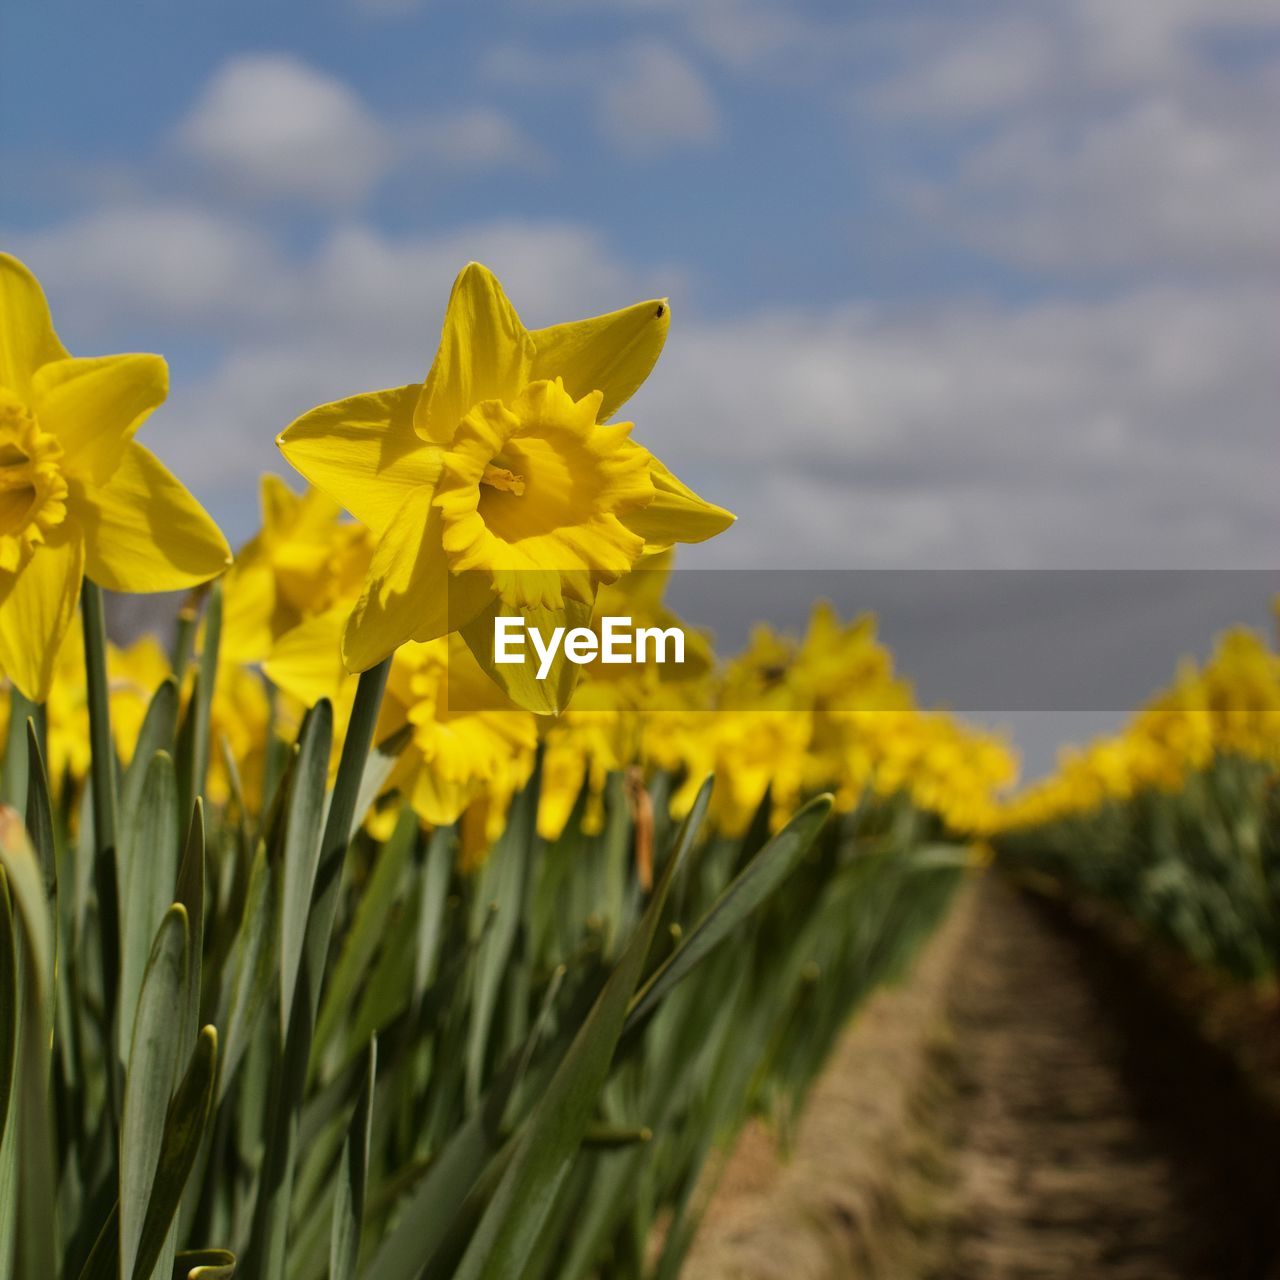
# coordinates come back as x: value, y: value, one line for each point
x: 500, y: 885
x: 159, y: 726
x: 749, y: 889
x: 251, y: 966
x: 149, y: 1080
x: 148, y: 871
x: 542, y: 1152
x: 190, y: 892
x: 9, y: 1013
x: 368, y: 929
x: 40, y: 813
x: 184, y: 1129
x: 353, y: 1172
x: 30, y: 1143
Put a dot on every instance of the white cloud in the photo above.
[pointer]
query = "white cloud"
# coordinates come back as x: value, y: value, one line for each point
x: 1092, y: 136
x: 174, y: 263
x: 1132, y: 430
x: 654, y: 99
x: 646, y: 97
x: 274, y: 126
x: 476, y: 139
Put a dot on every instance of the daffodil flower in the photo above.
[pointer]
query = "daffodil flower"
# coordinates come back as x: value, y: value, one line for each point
x: 77, y: 496
x: 495, y: 484
x: 302, y: 562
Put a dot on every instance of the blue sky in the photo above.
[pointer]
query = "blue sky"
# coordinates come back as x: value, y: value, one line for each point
x: 988, y: 285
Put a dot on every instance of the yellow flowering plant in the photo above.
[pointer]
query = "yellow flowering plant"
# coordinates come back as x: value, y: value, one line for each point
x: 500, y: 483
x: 78, y: 496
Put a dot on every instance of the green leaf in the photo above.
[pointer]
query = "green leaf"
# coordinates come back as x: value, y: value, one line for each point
x: 378, y: 768
x: 749, y: 889
x: 499, y: 887
x: 542, y: 1152
x: 39, y: 814
x: 184, y: 1129
x: 28, y: 1147
x: 368, y: 929
x: 190, y: 893
x: 9, y: 1032
x: 149, y: 1080
x: 156, y: 734
x: 148, y: 867
x: 185, y: 1121
x: 251, y: 966
x: 353, y: 1173
x: 304, y: 816
x: 13, y: 788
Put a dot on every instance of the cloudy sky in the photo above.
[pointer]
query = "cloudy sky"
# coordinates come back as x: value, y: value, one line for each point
x: 980, y: 285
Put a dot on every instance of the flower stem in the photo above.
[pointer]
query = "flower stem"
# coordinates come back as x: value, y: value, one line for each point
x: 102, y: 783
x: 342, y: 819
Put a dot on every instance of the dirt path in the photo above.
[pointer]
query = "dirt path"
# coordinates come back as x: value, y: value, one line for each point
x: 1030, y: 1106
x: 1067, y: 1161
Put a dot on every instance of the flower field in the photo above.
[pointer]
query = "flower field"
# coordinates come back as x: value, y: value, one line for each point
x: 330, y: 947
x: 1175, y: 820
x: 333, y: 945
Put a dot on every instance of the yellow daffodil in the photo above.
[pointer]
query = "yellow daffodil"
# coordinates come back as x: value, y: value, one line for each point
x: 77, y: 495
x: 468, y: 742
x: 303, y: 561
x: 495, y: 485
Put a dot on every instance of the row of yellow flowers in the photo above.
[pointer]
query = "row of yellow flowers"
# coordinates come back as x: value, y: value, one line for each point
x: 786, y: 717
x: 499, y: 484
x: 1229, y: 706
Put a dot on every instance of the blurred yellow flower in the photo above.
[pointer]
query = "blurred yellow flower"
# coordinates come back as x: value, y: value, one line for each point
x: 77, y: 496
x: 303, y: 561
x: 468, y: 742
x: 493, y: 486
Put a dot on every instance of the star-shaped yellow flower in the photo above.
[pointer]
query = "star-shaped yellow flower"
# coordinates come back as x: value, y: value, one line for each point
x: 495, y: 485
x: 77, y: 496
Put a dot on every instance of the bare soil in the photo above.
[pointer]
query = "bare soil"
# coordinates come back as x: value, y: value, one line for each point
x: 1044, y: 1099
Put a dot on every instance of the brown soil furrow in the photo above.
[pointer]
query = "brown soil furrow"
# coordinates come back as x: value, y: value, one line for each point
x: 1070, y: 1151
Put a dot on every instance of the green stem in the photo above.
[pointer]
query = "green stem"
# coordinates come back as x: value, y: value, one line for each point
x: 102, y: 784
x: 102, y: 772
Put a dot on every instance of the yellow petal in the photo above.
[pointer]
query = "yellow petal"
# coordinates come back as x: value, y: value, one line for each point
x: 676, y: 513
x: 612, y: 354
x: 410, y: 595
x: 307, y: 661
x: 248, y: 605
x: 144, y: 532
x: 363, y: 452
x: 485, y: 353
x: 93, y: 406
x: 27, y: 339
x: 37, y: 605
x: 519, y: 680
x: 278, y: 501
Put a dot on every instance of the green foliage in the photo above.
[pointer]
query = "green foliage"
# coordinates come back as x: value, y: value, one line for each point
x: 1199, y: 867
x: 416, y: 1071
